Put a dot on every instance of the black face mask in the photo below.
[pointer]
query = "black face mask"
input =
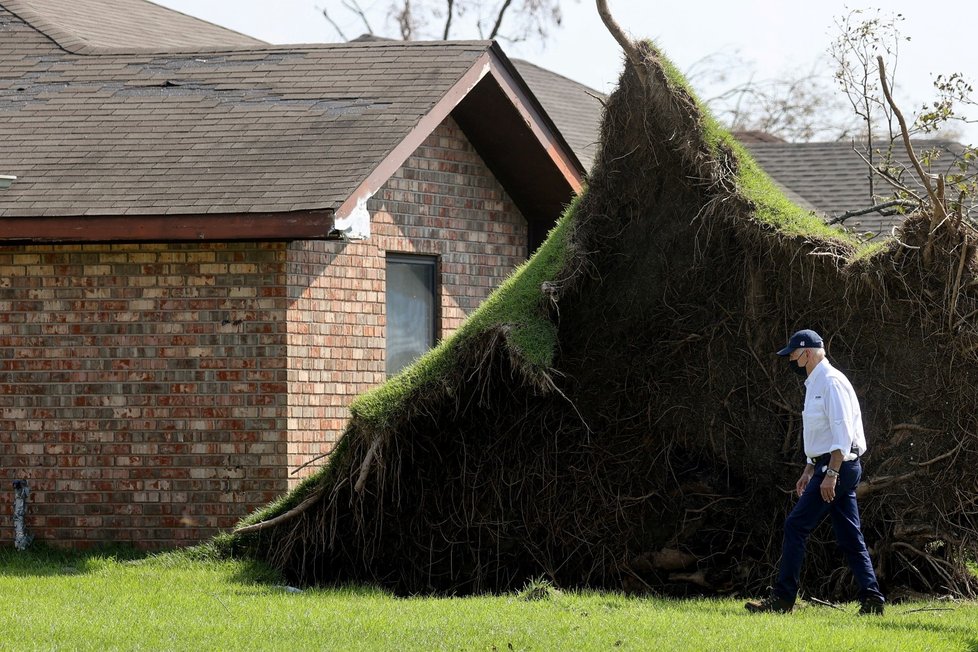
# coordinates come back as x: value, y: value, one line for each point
x: 801, y: 371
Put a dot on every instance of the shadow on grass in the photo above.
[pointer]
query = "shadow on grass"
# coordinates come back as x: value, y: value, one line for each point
x: 41, y: 560
x: 965, y: 634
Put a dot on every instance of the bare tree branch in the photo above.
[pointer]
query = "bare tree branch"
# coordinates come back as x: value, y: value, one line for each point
x: 354, y: 6
x: 631, y: 51
x: 405, y: 21
x: 282, y: 518
x: 499, y: 18
x: 794, y: 108
x: 332, y: 22
x: 924, y: 177
x: 444, y: 19
x: 448, y: 19
x: 872, y: 209
x: 891, y: 179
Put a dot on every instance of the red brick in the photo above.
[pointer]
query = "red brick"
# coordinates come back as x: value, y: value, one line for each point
x: 340, y: 303
x: 149, y: 396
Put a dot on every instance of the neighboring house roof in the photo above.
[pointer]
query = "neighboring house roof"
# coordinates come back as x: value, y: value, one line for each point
x: 575, y: 108
x: 255, y: 130
x: 833, y: 179
x: 77, y: 25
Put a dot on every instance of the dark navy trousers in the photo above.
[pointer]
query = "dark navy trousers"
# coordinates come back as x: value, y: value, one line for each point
x: 809, y: 511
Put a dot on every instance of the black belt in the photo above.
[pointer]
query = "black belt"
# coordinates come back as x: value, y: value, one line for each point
x: 825, y: 457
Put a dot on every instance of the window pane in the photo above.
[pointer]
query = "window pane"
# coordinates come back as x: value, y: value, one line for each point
x: 410, y: 310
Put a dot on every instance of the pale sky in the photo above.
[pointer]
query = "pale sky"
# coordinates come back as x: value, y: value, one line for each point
x: 775, y: 37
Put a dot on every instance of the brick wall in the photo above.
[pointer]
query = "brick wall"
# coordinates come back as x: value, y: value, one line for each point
x: 154, y: 394
x: 142, y: 388
x: 443, y: 202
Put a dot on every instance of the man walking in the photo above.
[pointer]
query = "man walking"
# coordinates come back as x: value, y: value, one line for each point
x: 834, y: 442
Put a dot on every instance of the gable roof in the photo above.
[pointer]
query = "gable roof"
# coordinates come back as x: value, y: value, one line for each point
x: 832, y: 178
x: 574, y: 108
x: 258, y: 130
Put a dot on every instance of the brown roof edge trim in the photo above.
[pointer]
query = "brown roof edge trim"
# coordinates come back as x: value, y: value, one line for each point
x: 536, y: 118
x: 395, y: 159
x: 292, y: 225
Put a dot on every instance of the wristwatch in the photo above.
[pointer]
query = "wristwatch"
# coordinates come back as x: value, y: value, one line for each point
x: 832, y: 473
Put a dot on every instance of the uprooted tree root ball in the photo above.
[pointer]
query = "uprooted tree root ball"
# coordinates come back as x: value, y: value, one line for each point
x: 653, y: 441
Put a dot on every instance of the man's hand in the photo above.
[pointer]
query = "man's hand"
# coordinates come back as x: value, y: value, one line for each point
x: 805, y: 478
x: 828, y: 488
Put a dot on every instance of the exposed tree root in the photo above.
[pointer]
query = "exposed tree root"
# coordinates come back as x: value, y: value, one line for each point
x: 659, y: 453
x: 283, y: 518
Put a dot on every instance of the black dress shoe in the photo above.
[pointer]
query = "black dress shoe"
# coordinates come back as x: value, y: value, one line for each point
x: 770, y: 604
x: 871, y: 607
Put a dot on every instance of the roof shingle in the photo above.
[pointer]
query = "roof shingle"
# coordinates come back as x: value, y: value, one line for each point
x: 115, y: 133
x: 833, y: 179
x: 81, y: 25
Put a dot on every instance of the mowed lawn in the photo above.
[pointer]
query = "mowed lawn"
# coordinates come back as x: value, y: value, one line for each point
x: 58, y: 601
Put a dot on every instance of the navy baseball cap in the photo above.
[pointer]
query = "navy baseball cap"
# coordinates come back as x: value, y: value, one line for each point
x: 806, y: 339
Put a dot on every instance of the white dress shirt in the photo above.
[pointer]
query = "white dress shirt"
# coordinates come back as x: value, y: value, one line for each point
x: 832, y: 419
